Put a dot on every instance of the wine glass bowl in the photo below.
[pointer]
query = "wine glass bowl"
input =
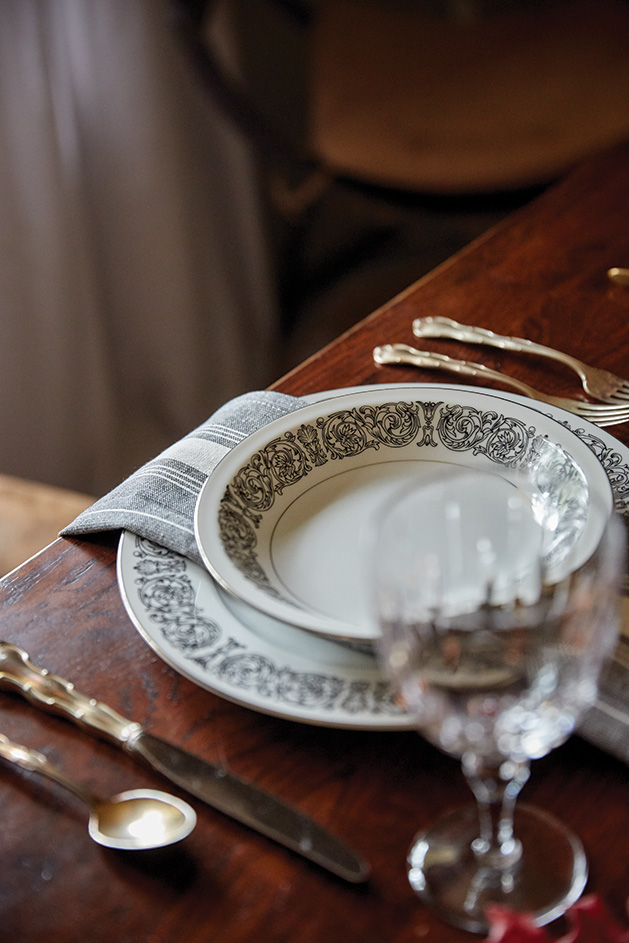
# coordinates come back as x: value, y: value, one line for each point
x: 494, y: 643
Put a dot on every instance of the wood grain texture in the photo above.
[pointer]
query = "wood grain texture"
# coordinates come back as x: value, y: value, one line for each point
x: 540, y: 274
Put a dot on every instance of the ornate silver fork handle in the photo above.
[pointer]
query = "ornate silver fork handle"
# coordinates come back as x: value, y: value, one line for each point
x: 602, y: 415
x: 598, y: 383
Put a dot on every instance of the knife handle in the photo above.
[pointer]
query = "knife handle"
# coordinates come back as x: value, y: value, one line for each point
x: 59, y: 696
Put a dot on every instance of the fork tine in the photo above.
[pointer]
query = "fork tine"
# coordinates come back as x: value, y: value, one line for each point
x: 620, y: 396
x: 603, y: 416
x: 600, y: 409
x: 604, y: 421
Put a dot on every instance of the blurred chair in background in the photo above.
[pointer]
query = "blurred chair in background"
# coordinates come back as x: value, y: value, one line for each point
x: 176, y: 189
x: 135, y: 294
x: 390, y: 133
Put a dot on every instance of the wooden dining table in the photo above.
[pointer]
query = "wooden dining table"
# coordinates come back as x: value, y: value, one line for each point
x: 541, y: 274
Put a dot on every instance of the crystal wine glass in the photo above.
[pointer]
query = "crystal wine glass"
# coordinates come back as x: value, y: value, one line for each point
x: 496, y: 650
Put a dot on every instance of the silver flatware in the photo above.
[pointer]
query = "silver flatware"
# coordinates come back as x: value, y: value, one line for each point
x: 135, y: 820
x: 601, y: 384
x: 619, y: 276
x: 233, y: 796
x: 601, y: 415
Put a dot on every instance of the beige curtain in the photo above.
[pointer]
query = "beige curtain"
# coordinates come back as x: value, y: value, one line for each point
x: 134, y: 288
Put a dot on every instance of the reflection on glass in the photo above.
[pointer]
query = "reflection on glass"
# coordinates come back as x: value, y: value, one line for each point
x: 495, y: 646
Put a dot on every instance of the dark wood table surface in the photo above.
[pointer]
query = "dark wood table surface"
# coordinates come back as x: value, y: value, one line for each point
x: 540, y: 274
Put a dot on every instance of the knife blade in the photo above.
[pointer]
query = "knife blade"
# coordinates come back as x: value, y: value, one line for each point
x: 235, y: 797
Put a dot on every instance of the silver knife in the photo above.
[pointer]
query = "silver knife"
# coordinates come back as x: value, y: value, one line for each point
x: 219, y: 788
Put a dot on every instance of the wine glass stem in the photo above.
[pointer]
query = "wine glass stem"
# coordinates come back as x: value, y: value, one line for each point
x: 496, y: 787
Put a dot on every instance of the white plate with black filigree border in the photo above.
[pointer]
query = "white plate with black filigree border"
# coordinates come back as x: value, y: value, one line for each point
x: 279, y: 523
x: 233, y: 651
x: 223, y: 645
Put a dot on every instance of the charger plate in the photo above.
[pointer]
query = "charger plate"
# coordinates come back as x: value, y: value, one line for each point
x: 233, y: 651
x: 279, y: 523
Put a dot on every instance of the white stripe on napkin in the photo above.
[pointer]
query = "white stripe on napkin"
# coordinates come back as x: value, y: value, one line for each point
x: 159, y: 499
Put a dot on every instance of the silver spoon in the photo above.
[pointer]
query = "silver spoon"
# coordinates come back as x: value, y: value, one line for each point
x: 620, y: 276
x: 134, y: 820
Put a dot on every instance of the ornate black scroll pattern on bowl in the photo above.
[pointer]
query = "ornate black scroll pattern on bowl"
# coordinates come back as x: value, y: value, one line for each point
x: 168, y: 596
x: 504, y: 440
x: 616, y: 469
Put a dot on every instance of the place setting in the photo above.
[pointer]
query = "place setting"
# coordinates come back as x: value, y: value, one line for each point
x: 372, y: 631
x: 271, y: 642
x: 247, y: 561
x: 263, y: 628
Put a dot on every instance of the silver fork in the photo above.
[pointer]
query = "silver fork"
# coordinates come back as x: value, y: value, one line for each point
x: 601, y: 384
x: 602, y: 415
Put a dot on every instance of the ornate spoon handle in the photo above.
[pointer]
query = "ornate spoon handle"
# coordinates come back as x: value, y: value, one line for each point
x: 36, y: 762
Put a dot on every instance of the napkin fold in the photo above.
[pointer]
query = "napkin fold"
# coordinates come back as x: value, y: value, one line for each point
x: 158, y: 500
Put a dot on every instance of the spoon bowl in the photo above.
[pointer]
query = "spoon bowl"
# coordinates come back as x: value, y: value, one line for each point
x: 140, y: 819
x: 135, y: 820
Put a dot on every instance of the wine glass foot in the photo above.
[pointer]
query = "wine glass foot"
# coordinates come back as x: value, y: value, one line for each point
x: 445, y: 872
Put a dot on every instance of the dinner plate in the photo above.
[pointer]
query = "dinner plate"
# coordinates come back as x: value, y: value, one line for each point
x: 230, y: 649
x: 233, y: 651
x: 280, y: 521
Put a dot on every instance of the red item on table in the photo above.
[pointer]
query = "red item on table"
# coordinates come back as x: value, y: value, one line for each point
x: 589, y: 923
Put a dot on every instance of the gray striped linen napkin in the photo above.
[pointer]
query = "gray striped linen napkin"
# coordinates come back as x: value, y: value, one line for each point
x: 159, y: 499
x: 158, y: 502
